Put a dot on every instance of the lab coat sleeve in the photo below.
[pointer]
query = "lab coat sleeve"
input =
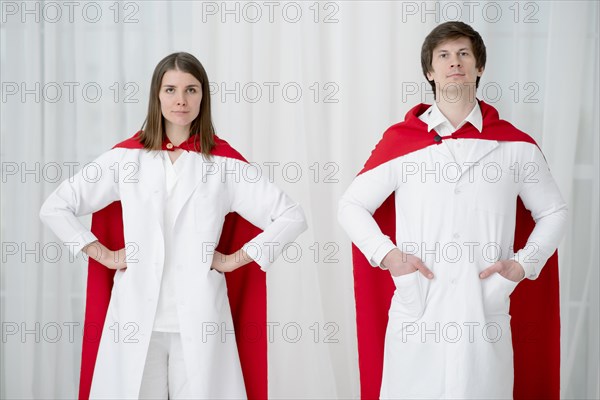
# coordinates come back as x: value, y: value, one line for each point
x: 356, y: 207
x: 267, y: 207
x: 91, y: 189
x: 541, y: 196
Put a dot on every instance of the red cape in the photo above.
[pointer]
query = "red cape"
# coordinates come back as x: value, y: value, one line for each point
x: 535, y: 311
x: 246, y: 287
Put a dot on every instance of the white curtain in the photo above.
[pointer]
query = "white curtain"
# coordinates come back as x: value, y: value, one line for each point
x: 310, y: 86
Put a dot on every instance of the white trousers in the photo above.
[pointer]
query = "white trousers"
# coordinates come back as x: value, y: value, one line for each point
x: 164, y: 373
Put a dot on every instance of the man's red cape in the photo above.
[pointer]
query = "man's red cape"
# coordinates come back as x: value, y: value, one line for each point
x: 246, y: 287
x: 535, y: 312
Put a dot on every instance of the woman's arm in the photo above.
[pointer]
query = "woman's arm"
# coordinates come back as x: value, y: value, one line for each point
x: 266, y: 206
x: 94, y: 187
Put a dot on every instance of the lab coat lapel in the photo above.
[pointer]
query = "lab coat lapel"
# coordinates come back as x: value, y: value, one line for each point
x: 476, y: 154
x: 444, y: 151
x: 155, y: 184
x: 189, y: 178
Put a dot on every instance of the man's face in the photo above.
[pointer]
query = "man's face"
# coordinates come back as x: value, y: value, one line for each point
x: 453, y: 69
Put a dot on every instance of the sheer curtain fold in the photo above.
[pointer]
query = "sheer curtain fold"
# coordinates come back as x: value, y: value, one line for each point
x: 309, y: 93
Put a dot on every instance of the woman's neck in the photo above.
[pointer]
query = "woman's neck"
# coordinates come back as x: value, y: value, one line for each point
x: 178, y: 134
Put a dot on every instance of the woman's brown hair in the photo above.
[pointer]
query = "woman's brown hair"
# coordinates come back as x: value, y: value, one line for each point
x: 202, y: 129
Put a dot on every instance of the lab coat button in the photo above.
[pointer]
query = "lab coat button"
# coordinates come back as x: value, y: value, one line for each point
x: 453, y: 281
x: 456, y: 191
x: 456, y: 235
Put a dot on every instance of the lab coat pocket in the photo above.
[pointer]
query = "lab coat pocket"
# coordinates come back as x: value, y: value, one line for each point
x: 496, y: 294
x: 407, y: 302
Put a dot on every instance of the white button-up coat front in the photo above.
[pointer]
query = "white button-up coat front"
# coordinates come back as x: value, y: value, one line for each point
x: 206, y: 191
x: 450, y: 337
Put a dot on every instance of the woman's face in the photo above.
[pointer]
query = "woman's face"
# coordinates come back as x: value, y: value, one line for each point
x: 180, y: 97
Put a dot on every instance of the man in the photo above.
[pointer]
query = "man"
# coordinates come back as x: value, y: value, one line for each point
x: 458, y: 176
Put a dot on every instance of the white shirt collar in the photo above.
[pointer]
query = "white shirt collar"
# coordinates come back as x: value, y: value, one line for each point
x: 434, y: 119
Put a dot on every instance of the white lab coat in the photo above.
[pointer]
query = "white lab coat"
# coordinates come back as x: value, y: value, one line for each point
x: 203, y: 196
x: 450, y: 337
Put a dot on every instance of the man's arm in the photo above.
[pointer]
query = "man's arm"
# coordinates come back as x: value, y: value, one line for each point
x: 541, y: 196
x: 355, y: 214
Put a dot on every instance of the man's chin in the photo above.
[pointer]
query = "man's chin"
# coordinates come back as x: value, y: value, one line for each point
x: 455, y: 91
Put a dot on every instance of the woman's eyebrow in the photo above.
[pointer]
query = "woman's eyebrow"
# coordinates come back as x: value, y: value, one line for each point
x: 188, y: 86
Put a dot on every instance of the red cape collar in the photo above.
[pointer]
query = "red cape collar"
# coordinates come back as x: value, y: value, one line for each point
x: 489, y: 115
x: 191, y: 144
x: 222, y: 148
x: 411, y: 134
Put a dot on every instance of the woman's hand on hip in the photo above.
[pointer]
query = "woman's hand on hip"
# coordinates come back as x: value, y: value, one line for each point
x: 110, y: 259
x: 229, y: 262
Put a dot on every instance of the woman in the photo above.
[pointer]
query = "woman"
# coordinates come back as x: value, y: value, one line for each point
x: 161, y: 199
